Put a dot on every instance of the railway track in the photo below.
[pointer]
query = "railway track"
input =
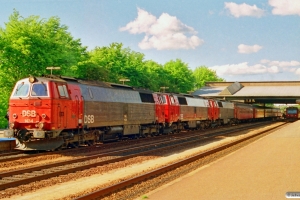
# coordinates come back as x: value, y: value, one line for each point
x: 11, y: 156
x: 29, y: 175
x: 11, y: 153
x: 158, y: 173
x: 83, y: 151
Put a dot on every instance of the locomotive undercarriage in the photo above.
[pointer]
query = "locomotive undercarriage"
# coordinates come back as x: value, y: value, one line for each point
x: 55, y: 139
x: 51, y: 140
x: 31, y: 140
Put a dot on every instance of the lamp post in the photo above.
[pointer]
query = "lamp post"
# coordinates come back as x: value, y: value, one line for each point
x: 123, y: 80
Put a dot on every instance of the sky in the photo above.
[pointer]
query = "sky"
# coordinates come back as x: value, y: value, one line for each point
x: 250, y: 40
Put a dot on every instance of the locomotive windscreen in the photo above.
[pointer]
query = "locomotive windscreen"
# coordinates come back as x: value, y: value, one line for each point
x: 39, y: 89
x: 21, y: 90
x: 292, y: 111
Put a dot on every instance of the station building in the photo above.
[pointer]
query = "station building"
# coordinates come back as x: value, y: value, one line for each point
x: 275, y: 92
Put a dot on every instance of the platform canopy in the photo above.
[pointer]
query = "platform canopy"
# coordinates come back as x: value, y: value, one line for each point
x: 277, y: 92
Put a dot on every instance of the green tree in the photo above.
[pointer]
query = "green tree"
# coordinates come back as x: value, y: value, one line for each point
x: 89, y: 70
x: 180, y: 77
x: 113, y: 63
x: 29, y: 45
x: 109, y: 61
x: 203, y: 74
x: 156, y: 75
x: 134, y: 68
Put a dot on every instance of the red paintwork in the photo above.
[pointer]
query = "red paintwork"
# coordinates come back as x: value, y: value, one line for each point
x: 61, y: 113
x: 75, y: 105
x: 171, y: 108
x: 159, y: 109
x: 20, y: 106
x: 23, y: 107
x: 213, y: 110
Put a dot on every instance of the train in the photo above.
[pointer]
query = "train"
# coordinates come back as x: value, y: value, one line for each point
x: 292, y: 113
x: 52, y: 112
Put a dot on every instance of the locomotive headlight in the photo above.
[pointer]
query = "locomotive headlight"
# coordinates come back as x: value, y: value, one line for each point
x: 11, y: 125
x: 15, y: 116
x: 44, y: 116
x: 41, y: 125
x: 32, y: 79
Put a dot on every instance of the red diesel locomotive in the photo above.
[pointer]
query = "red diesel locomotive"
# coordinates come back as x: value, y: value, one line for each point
x: 53, y: 112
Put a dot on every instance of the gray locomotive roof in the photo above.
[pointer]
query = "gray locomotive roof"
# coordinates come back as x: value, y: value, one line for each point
x: 86, y: 82
x: 253, y: 92
x: 100, y: 91
x: 110, y: 94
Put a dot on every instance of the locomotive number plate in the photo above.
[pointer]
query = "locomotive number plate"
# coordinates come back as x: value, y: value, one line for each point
x: 28, y: 120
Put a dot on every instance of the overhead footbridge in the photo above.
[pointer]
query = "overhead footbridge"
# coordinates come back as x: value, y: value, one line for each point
x: 276, y: 92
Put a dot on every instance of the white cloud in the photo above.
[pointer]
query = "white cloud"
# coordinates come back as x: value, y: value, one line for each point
x: 141, y: 24
x: 243, y: 68
x: 242, y: 48
x: 265, y: 67
x: 285, y: 7
x: 240, y: 10
x: 166, y: 32
x: 281, y: 64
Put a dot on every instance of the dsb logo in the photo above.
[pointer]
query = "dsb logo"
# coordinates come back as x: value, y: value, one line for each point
x: 28, y: 113
x: 89, y: 119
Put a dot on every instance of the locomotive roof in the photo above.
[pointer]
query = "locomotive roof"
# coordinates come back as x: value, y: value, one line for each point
x: 85, y: 82
x: 142, y: 90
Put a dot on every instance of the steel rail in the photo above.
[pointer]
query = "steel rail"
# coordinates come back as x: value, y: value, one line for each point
x: 14, y: 156
x: 10, y: 179
x: 22, y: 155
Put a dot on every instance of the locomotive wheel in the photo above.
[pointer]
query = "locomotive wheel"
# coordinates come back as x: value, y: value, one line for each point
x: 59, y: 148
x: 73, y: 145
x: 22, y: 135
x: 90, y: 142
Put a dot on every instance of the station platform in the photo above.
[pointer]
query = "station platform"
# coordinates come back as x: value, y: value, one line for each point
x: 265, y: 169
x: 6, y: 144
x: 1, y: 133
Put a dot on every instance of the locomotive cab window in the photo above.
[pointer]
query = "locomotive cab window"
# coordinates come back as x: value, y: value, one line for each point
x: 39, y: 89
x: 172, y: 100
x: 63, y: 91
x: 163, y: 99
x: 160, y: 99
x: 21, y: 89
